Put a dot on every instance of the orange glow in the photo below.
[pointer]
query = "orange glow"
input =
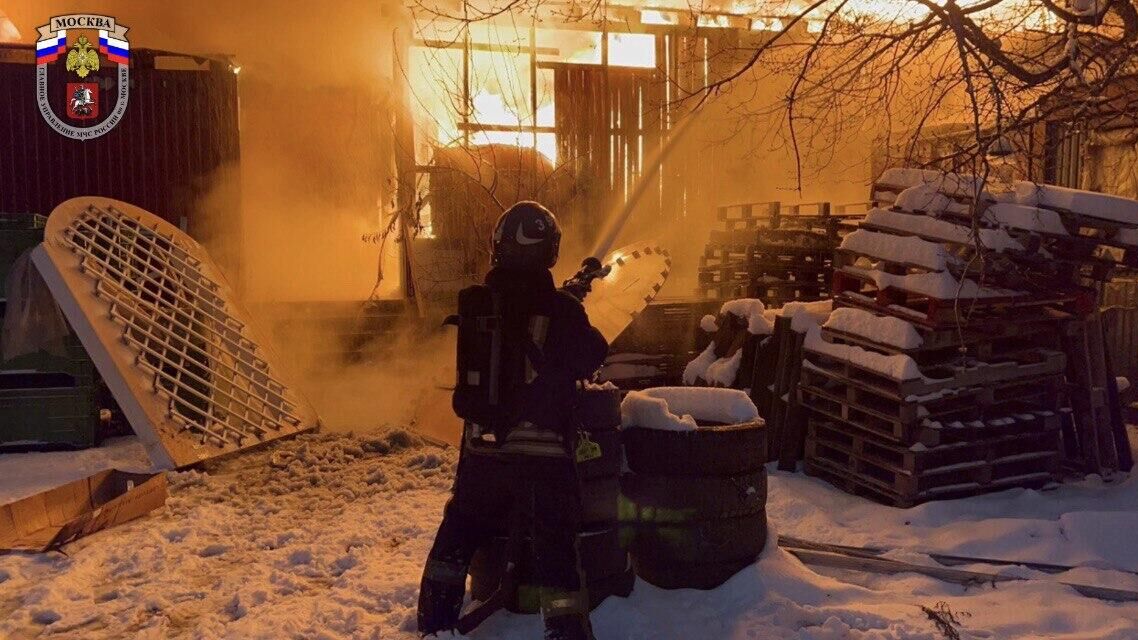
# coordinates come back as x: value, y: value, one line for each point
x: 653, y: 16
x: 767, y: 24
x: 714, y: 21
x: 632, y: 50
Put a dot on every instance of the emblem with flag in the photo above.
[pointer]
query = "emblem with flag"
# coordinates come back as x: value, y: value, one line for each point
x: 77, y: 97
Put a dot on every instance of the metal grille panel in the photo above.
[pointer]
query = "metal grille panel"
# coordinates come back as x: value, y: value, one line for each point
x: 157, y: 311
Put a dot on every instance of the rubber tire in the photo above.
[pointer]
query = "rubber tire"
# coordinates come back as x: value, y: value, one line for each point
x: 651, y: 498
x: 700, y: 541
x: 727, y: 450
x: 600, y: 502
x: 599, y: 409
x: 611, y: 460
x: 689, y: 576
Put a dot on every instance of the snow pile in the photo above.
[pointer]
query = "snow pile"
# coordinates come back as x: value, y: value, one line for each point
x: 900, y: 249
x: 697, y: 368
x: 1095, y: 205
x: 713, y: 370
x: 751, y: 310
x: 942, y: 230
x: 940, y: 284
x: 898, y: 367
x: 881, y: 329
x: 678, y: 408
x: 804, y: 315
x: 723, y: 371
x: 1018, y: 216
x: 952, y: 184
x: 639, y: 409
x: 760, y: 321
x: 927, y: 197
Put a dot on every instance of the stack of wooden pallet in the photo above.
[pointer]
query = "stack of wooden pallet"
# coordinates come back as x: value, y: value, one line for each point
x: 773, y: 252
x: 939, y: 373
x: 900, y: 413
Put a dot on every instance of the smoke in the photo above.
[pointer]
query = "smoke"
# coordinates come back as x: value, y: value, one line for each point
x: 403, y: 378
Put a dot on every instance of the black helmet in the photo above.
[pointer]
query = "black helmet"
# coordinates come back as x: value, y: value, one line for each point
x: 527, y: 236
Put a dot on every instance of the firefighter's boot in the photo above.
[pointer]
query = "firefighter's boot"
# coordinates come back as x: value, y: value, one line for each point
x: 440, y: 597
x: 566, y: 615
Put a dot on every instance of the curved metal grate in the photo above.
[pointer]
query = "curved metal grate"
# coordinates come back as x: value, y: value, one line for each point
x: 185, y: 339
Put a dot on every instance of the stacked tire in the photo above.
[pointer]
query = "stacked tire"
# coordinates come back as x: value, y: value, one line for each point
x: 604, y: 562
x: 694, y: 502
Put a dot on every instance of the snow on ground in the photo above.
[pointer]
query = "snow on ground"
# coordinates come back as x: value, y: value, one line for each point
x: 324, y: 536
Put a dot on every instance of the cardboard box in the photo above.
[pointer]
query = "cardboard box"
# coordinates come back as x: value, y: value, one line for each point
x: 58, y: 516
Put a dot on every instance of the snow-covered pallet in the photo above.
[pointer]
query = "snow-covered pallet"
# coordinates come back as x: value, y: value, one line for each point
x: 855, y: 288
x: 912, y: 421
x: 993, y: 341
x: 1028, y: 364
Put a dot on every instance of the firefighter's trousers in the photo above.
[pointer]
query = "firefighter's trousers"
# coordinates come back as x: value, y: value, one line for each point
x: 487, y: 488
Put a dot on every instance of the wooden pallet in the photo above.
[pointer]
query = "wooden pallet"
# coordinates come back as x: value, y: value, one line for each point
x: 981, y: 341
x: 920, y: 459
x: 791, y: 240
x: 1003, y: 420
x: 911, y: 422
x: 855, y: 290
x: 1099, y: 431
x: 1032, y: 474
x: 773, y: 294
x: 1028, y: 364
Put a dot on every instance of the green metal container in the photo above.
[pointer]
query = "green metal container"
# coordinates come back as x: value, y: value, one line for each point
x: 46, y: 411
x: 46, y: 400
x: 18, y: 233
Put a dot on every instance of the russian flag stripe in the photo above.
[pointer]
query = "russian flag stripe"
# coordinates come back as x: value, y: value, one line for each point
x: 53, y: 44
x: 113, y: 50
x: 114, y: 42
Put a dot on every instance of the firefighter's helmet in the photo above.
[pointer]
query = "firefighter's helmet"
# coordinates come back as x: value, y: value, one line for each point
x: 526, y: 236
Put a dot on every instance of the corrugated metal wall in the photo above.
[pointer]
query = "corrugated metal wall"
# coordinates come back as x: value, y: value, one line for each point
x: 180, y: 126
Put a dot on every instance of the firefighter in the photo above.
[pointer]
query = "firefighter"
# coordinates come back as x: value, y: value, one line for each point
x: 523, y: 347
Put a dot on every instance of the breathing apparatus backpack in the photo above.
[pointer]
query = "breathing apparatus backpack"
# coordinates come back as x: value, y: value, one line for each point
x: 498, y: 355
